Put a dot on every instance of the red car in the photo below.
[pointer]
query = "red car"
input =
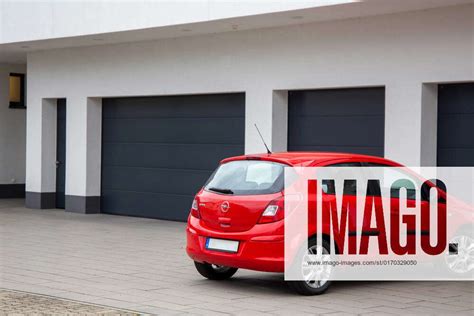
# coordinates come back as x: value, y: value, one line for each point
x: 236, y: 219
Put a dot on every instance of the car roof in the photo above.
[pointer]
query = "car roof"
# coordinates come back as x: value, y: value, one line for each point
x: 311, y: 158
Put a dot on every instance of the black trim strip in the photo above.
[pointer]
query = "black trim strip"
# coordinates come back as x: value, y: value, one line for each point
x: 82, y: 204
x: 40, y: 200
x: 12, y: 191
x: 413, y: 232
x: 376, y: 233
x: 365, y: 233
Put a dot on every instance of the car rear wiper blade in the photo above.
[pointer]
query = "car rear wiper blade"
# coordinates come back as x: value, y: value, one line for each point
x: 225, y: 191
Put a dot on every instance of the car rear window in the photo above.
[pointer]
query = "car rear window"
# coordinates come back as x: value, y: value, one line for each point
x: 247, y: 177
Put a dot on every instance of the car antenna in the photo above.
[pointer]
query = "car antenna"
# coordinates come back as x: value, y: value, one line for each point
x: 263, y: 140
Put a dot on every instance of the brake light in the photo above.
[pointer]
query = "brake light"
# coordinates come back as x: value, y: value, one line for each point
x: 195, y: 209
x: 274, y: 211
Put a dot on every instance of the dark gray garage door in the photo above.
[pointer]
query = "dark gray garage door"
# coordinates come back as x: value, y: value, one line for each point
x: 157, y: 152
x: 341, y: 120
x: 456, y: 124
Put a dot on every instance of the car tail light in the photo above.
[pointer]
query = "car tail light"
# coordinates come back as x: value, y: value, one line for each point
x: 274, y: 211
x: 195, y: 209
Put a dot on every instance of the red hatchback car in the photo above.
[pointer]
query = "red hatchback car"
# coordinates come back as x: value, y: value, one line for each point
x: 236, y: 219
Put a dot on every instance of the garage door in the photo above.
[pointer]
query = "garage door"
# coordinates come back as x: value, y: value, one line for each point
x: 341, y: 120
x: 158, y: 151
x: 456, y: 124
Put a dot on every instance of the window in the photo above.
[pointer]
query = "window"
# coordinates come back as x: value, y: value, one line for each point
x: 349, y: 188
x: 395, y: 178
x: 247, y: 177
x: 17, y: 91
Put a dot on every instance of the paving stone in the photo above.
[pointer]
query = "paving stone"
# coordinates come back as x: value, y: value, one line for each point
x: 22, y: 303
x: 141, y: 265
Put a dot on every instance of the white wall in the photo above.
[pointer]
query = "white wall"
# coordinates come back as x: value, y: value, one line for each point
x: 399, y: 51
x: 29, y: 20
x: 12, y: 132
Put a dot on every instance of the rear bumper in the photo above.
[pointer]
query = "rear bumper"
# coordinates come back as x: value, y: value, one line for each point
x: 261, y: 248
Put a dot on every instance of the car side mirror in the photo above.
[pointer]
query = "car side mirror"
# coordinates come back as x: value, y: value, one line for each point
x: 325, y: 188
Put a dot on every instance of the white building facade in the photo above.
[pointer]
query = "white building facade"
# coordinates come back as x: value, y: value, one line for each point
x: 129, y: 110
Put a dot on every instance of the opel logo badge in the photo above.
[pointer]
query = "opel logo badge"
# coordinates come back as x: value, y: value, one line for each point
x: 225, y: 207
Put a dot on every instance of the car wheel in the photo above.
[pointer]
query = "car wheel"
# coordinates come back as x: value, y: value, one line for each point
x: 313, y: 284
x: 463, y: 262
x: 214, y: 271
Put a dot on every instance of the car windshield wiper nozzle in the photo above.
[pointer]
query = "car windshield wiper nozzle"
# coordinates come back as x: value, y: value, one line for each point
x: 225, y: 191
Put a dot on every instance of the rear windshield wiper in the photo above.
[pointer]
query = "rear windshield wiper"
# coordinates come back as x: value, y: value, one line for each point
x: 225, y: 191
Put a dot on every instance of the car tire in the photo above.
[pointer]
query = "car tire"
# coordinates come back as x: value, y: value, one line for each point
x: 214, y: 272
x: 310, y: 288
x: 459, y: 267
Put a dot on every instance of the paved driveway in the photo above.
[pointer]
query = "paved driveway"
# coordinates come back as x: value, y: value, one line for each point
x: 140, y: 264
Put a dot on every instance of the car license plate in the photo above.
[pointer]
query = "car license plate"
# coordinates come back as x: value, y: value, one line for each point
x: 222, y: 245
